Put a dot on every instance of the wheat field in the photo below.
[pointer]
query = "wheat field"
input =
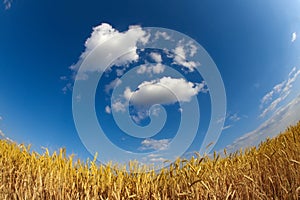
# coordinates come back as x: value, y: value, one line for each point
x: 270, y: 171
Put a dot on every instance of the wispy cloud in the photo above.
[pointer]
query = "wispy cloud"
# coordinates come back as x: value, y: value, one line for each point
x: 234, y: 117
x: 7, y: 4
x: 67, y: 88
x: 63, y: 78
x: 152, y: 144
x: 2, y: 135
x: 294, y: 37
x: 230, y: 119
x: 154, y: 158
x: 226, y: 127
x: 279, y: 93
x: 281, y: 119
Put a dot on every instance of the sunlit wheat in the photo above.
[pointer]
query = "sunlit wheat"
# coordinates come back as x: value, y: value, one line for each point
x: 271, y: 171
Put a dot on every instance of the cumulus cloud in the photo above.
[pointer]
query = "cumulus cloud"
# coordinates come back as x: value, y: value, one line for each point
x: 165, y: 91
x: 152, y: 144
x: 150, y: 69
x: 107, y: 109
x: 284, y: 117
x: 156, y: 57
x: 163, y: 35
x: 139, y: 115
x: 294, y: 37
x: 118, y: 106
x: 7, y: 4
x: 279, y: 93
x: 155, y: 111
x: 181, y: 52
x: 112, y: 85
x: 123, y: 41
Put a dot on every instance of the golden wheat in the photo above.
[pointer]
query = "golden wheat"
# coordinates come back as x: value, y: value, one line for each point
x: 271, y: 171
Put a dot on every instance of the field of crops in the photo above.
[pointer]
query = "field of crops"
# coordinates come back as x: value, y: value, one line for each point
x: 271, y: 171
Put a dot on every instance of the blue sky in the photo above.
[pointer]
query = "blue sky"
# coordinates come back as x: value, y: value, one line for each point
x: 253, y: 44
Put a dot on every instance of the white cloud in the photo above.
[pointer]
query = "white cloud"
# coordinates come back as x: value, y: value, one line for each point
x: 7, y: 4
x: 192, y: 48
x: 281, y: 90
x: 2, y: 135
x: 292, y: 71
x: 226, y: 127
x: 107, y: 109
x: 112, y: 85
x: 122, y: 41
x: 181, y: 51
x: 142, y: 69
x: 144, y: 112
x: 234, y: 117
x: 63, y: 78
x: 1, y: 118
x: 156, y: 57
x: 118, y: 106
x: 230, y: 119
x: 154, y: 158
x: 158, y: 159
x: 164, y: 35
x: 155, y: 111
x: 221, y: 119
x: 152, y: 144
x: 278, y: 122
x: 166, y: 91
x: 139, y: 115
x: 120, y: 72
x: 267, y: 97
x: 273, y: 105
x: 158, y: 68
x: 78, y: 98
x: 294, y: 37
x: 67, y: 88
x: 151, y: 69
